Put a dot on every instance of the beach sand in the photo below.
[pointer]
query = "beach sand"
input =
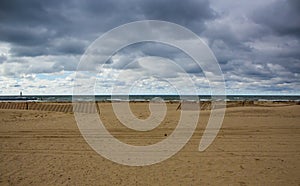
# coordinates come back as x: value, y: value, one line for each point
x: 255, y: 146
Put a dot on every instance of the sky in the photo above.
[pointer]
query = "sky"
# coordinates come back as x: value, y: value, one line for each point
x: 256, y: 43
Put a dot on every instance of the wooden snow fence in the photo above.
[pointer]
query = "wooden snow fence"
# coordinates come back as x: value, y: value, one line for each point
x: 81, y: 107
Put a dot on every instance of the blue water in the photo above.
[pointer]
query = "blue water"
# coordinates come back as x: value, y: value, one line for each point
x: 68, y: 98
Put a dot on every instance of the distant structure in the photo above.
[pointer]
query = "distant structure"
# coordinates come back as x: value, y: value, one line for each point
x: 21, y: 94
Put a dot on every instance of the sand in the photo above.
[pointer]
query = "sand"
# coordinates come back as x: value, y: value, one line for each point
x: 257, y: 145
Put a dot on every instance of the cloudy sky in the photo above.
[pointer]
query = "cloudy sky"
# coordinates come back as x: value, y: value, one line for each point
x: 256, y: 43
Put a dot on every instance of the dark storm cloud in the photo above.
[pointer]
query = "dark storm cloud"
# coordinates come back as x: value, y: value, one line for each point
x: 35, y: 23
x: 60, y: 46
x: 29, y: 22
x: 191, y: 14
x: 282, y: 17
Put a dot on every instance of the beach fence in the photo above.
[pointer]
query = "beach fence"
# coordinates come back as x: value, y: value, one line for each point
x: 92, y: 107
x: 200, y: 105
x: 81, y: 107
x: 207, y: 105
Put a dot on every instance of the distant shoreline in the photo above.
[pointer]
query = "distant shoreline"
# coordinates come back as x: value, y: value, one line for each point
x: 146, y: 98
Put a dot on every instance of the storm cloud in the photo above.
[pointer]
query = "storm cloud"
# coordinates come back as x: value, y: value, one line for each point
x: 257, y: 43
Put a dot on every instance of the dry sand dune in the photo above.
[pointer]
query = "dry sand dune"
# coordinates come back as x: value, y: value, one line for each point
x: 255, y: 146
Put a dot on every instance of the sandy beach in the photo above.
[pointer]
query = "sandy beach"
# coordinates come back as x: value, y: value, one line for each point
x: 257, y: 145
